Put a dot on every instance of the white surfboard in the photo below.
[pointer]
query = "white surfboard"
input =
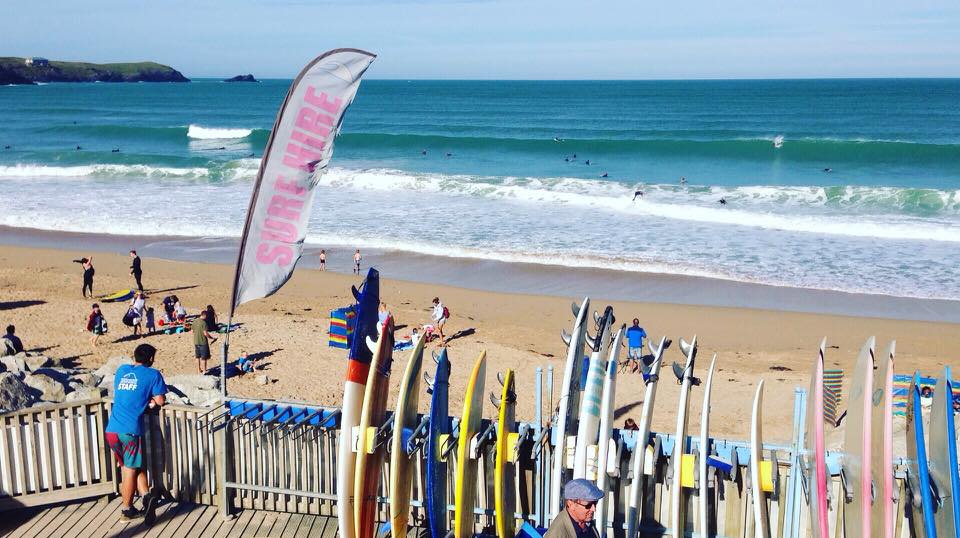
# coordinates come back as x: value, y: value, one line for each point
x: 606, y: 427
x: 761, y: 519
x: 680, y: 441
x: 639, y: 453
x: 588, y: 429
x: 857, y: 444
x: 569, y: 402
x: 705, y: 450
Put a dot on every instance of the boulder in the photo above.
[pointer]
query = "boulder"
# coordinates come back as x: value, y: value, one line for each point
x: 88, y: 379
x: 14, y: 364
x: 110, y: 367
x: 35, y: 361
x: 61, y: 375
x: 242, y: 78
x: 262, y: 380
x: 201, y: 390
x: 86, y: 393
x: 14, y: 393
x: 51, y: 390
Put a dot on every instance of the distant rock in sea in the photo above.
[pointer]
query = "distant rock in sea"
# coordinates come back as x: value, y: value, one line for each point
x: 242, y: 78
x: 15, y: 70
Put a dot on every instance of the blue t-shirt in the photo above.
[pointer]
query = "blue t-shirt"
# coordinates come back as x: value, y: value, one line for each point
x: 133, y: 387
x: 635, y: 336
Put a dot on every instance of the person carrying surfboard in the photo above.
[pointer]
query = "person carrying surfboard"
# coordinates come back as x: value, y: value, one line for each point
x: 580, y: 498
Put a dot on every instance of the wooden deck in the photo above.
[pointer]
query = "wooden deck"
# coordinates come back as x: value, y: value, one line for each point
x: 100, y: 518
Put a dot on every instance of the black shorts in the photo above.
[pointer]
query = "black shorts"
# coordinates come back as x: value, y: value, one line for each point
x: 202, y: 352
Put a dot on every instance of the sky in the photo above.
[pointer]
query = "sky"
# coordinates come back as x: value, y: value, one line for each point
x: 433, y: 39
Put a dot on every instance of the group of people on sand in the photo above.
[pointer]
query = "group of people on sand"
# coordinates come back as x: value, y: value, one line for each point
x: 439, y: 314
x: 88, y: 271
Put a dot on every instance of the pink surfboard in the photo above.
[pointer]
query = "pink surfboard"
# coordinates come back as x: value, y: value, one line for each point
x: 817, y: 473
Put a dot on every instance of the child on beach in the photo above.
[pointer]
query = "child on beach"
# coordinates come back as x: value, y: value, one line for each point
x: 151, y: 326
x: 179, y: 311
x: 323, y: 260
x: 246, y: 364
x: 96, y: 323
x: 356, y: 262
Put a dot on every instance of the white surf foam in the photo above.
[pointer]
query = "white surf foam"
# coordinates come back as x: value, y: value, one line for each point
x: 27, y: 171
x: 216, y: 133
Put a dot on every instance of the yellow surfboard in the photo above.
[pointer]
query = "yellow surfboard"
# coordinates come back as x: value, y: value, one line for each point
x: 401, y: 465
x: 504, y: 474
x: 465, y: 488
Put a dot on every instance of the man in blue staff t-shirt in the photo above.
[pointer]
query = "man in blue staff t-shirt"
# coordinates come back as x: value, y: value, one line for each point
x: 136, y: 387
x: 635, y: 336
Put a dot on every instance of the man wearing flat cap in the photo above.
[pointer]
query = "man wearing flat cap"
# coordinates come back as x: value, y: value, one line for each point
x: 580, y: 498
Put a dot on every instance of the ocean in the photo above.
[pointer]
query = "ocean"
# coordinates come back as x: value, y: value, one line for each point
x: 862, y: 195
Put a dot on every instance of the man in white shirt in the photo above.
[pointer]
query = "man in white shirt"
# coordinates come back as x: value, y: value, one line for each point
x: 440, y: 315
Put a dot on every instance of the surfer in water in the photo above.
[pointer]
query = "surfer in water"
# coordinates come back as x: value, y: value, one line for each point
x: 683, y: 181
x: 588, y: 162
x: 637, y: 194
x: 604, y: 175
x: 828, y: 170
x: 723, y: 201
x: 423, y: 152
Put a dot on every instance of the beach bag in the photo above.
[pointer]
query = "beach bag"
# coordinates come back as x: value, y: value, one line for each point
x: 446, y: 313
x: 130, y: 318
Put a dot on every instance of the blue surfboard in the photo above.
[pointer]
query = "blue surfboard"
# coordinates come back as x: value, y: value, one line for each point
x: 919, y: 474
x: 942, y: 452
x: 368, y: 304
x: 436, y: 486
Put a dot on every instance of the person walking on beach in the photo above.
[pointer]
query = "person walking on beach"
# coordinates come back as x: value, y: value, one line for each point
x: 635, y: 336
x: 356, y: 262
x: 323, y: 260
x: 439, y: 315
x: 12, y: 341
x: 136, y: 311
x: 580, y: 498
x: 96, y: 323
x: 135, y: 269
x: 136, y: 388
x: 201, y: 341
x: 87, y: 264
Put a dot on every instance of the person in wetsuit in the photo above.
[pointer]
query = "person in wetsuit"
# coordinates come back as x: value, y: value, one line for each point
x: 88, y: 271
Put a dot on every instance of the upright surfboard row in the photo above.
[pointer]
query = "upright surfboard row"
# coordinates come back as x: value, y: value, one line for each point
x: 656, y: 485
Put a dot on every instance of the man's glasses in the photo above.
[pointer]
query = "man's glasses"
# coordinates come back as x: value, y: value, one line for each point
x: 587, y: 505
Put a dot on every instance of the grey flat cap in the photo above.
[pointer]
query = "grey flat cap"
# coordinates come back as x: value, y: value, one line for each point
x: 581, y: 489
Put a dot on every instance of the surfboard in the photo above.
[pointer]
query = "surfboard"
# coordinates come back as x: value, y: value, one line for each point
x: 606, y: 429
x: 918, y: 477
x: 639, y: 453
x: 358, y: 367
x: 815, y: 458
x: 372, y: 416
x: 504, y: 472
x: 568, y: 403
x: 401, y: 464
x: 465, y: 486
x: 857, y: 443
x: 761, y: 519
x: 882, y: 462
x: 438, y: 440
x: 588, y: 429
x: 680, y: 441
x: 120, y: 295
x: 704, y: 490
x: 943, y: 456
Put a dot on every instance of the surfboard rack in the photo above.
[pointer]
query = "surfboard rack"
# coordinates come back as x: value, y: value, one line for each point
x: 419, y: 435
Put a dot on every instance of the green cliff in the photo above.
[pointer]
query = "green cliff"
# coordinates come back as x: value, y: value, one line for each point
x: 16, y: 71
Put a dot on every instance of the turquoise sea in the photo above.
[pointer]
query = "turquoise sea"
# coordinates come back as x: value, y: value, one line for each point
x: 862, y: 194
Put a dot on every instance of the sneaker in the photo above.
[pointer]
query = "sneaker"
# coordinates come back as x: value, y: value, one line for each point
x: 130, y: 514
x: 145, y: 502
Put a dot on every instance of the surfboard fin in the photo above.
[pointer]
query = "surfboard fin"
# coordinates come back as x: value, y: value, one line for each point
x: 596, y: 317
x: 678, y: 371
x: 590, y: 340
x: 371, y: 344
x: 356, y: 293
x: 500, y: 378
x: 494, y: 400
x: 436, y: 358
x: 565, y: 336
x: 685, y: 348
x: 429, y: 381
x: 576, y: 309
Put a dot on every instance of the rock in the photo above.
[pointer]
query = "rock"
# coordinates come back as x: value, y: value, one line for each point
x: 50, y: 389
x: 88, y: 379
x: 242, y: 78
x: 197, y: 389
x: 110, y: 367
x: 60, y: 375
x: 86, y: 393
x: 35, y: 362
x: 14, y: 393
x: 14, y: 364
x: 262, y: 380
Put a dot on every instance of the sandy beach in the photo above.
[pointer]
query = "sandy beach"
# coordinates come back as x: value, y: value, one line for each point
x: 41, y: 296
